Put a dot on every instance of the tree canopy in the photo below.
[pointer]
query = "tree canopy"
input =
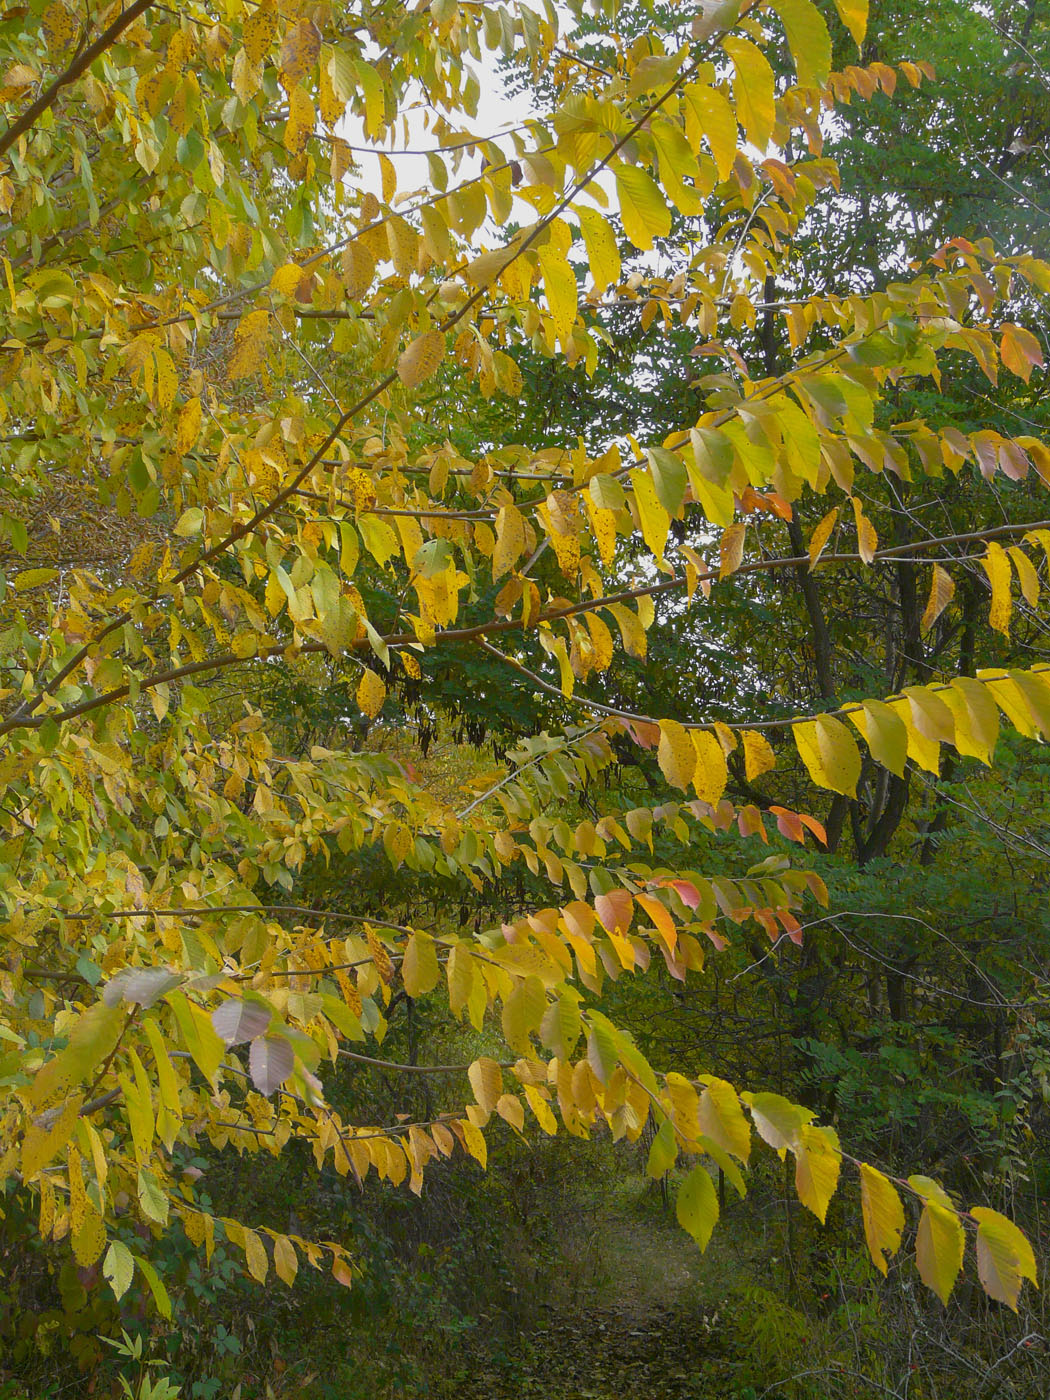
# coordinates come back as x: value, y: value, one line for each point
x: 299, y: 455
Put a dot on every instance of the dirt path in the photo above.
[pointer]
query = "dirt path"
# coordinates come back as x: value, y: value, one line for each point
x: 631, y: 1323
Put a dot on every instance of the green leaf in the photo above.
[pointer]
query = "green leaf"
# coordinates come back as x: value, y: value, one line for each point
x: 156, y: 1287
x: 152, y: 1197
x: 118, y: 1267
x: 669, y: 478
x: 664, y: 1150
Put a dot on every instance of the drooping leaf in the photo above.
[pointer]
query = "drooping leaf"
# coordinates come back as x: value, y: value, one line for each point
x: 696, y: 1205
x: 237, y: 1020
x: 883, y: 1215
x: 271, y: 1061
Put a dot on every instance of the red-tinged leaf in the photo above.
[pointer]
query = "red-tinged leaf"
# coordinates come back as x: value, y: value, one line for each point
x: 271, y: 1061
x: 615, y: 910
x: 342, y: 1272
x: 816, y: 827
x: 791, y: 925
x: 1020, y: 351
x: 789, y: 824
x: 686, y: 892
x: 645, y: 735
x: 715, y: 937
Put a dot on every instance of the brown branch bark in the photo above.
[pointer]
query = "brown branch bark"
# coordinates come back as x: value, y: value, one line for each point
x: 76, y: 69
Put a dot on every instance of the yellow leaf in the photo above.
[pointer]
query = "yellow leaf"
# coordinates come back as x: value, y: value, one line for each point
x: 601, y: 642
x: 808, y: 38
x: 1026, y: 575
x: 854, y: 15
x: 1019, y: 350
x: 559, y: 282
x: 421, y: 359
x: 486, y: 1079
x: 759, y: 757
x: 939, y: 1248
x: 286, y: 279
x: 138, y: 1104
x: 696, y: 1205
x: 169, y: 1110
x: 942, y: 591
x: 510, y: 540
x: 653, y: 519
x: 830, y: 753
x: 260, y: 30
x: 883, y: 1215
x: 817, y: 1162
x: 884, y: 732
x: 285, y: 1259
x: 436, y: 237
x: 89, y: 1239
x: 722, y: 1119
x: 255, y: 1256
x: 867, y: 539
x: 779, y: 1121
x: 996, y: 564
x: 925, y: 752
x: 753, y: 88
x: 976, y: 717
x: 388, y: 176
x: 250, y: 341
x: 602, y: 252
x: 189, y: 425
x: 820, y: 536
x: 167, y: 379
x: 644, y: 213
x: 358, y: 268
x: 420, y: 970
x: 47, y: 1136
x: 930, y: 715
x: 473, y: 1141
x: 731, y: 548
x: 710, y: 774
x: 1004, y: 1256
x: 541, y: 1109
x: 59, y: 27
x: 710, y: 115
x: 460, y: 972
x: 371, y: 692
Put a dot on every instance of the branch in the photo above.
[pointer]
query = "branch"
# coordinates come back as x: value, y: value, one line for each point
x: 75, y: 70
x: 511, y: 624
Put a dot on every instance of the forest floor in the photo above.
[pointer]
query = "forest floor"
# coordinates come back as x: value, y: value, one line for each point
x: 636, y: 1315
